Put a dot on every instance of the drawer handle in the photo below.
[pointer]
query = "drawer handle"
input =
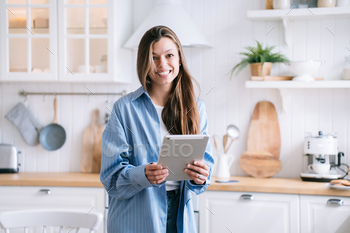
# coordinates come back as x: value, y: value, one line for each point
x: 45, y: 191
x: 247, y: 197
x: 335, y: 202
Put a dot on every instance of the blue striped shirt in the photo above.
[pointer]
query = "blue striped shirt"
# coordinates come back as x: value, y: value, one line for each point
x: 130, y: 141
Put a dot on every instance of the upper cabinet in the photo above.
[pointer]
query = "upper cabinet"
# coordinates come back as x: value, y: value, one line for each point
x: 28, y: 40
x: 67, y: 41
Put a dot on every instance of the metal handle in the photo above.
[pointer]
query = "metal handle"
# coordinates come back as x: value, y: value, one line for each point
x: 45, y: 191
x: 247, y: 197
x: 335, y: 202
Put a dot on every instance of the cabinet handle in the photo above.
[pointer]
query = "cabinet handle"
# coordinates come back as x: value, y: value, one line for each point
x: 45, y: 191
x: 247, y: 197
x: 335, y: 202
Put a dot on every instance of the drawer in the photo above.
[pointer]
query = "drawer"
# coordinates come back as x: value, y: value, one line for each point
x: 73, y: 198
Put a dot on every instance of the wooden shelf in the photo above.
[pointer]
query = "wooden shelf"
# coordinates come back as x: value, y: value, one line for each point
x: 304, y: 13
x: 295, y: 84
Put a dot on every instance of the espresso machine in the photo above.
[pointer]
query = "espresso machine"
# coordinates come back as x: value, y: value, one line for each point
x: 322, y: 149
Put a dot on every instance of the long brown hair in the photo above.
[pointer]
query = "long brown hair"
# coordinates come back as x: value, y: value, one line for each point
x: 180, y: 114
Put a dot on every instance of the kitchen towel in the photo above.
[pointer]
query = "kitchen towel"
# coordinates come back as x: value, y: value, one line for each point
x: 26, y: 124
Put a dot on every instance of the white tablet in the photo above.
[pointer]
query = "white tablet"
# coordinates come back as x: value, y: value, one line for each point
x: 179, y: 150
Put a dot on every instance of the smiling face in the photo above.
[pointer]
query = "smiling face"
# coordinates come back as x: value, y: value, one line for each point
x: 166, y: 63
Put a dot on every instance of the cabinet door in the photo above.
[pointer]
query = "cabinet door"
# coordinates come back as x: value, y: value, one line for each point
x: 28, y: 40
x: 248, y: 212
x: 82, y: 199
x: 324, y: 214
x: 91, y: 37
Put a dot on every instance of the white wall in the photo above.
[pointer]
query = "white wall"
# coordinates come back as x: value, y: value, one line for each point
x: 74, y: 114
x: 226, y: 27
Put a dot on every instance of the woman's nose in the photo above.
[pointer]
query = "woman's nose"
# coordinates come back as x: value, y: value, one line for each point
x: 162, y: 61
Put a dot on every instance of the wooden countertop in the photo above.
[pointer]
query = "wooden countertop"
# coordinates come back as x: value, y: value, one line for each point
x: 244, y: 184
x: 276, y: 185
x: 68, y: 179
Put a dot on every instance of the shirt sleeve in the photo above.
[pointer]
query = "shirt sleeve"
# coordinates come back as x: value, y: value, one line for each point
x: 121, y: 179
x: 208, y: 158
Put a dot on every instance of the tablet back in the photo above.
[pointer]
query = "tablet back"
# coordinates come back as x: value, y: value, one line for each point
x: 179, y: 150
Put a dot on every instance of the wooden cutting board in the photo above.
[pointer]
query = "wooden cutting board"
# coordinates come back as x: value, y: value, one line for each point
x: 91, y: 151
x: 259, y: 164
x: 264, y: 130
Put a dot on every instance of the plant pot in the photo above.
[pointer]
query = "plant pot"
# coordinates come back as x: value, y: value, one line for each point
x: 255, y: 69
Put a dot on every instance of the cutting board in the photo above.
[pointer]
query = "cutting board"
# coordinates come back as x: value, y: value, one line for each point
x: 264, y: 130
x: 259, y: 164
x: 91, y: 151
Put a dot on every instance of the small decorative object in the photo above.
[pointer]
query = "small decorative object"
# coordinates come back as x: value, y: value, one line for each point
x: 260, y: 60
x: 346, y: 69
x: 343, y: 3
x: 41, y: 23
x: 269, y: 4
x: 326, y: 3
x: 303, y: 3
x: 281, y: 4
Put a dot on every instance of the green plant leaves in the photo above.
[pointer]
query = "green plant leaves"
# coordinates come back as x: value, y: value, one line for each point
x: 258, y: 54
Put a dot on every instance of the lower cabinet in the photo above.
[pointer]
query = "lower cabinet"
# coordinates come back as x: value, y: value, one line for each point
x: 74, y: 198
x: 324, y: 214
x: 222, y: 211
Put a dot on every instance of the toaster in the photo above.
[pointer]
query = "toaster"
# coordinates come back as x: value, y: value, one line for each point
x: 8, y: 158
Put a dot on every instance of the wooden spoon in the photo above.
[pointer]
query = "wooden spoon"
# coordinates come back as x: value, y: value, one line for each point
x: 224, y: 142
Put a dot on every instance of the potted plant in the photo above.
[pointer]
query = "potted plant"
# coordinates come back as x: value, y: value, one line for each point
x: 260, y: 60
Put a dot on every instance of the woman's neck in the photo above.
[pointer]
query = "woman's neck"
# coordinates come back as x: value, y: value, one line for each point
x: 159, y: 95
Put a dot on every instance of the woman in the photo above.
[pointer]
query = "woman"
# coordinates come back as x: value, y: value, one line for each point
x: 140, y: 199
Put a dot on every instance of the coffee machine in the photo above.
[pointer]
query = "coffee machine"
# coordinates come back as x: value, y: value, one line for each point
x: 322, y: 149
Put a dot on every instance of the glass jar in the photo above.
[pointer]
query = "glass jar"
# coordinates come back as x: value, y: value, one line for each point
x: 326, y: 3
x: 346, y: 69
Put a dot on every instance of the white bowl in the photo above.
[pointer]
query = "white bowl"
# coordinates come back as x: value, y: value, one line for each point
x: 304, y: 70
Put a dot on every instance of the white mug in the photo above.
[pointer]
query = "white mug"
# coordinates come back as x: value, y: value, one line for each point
x: 319, y: 168
x: 81, y: 69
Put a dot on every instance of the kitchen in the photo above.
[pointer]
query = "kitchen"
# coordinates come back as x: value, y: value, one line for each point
x: 227, y: 27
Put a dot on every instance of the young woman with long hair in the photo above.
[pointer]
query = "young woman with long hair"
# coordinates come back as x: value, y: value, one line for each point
x: 140, y: 200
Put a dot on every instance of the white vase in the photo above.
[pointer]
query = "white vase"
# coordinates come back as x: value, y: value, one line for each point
x: 343, y: 3
x: 281, y: 4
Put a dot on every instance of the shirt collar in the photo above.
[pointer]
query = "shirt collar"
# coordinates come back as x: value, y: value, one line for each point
x: 139, y: 93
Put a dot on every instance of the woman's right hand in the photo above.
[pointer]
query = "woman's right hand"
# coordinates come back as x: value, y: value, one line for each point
x: 155, y: 174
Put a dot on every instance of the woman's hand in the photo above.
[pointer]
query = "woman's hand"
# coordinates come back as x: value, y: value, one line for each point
x: 201, y: 171
x: 155, y: 174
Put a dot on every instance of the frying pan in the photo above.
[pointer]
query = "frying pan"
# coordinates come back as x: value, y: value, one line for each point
x: 53, y: 136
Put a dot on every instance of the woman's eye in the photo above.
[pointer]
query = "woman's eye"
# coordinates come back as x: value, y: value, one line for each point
x: 170, y: 55
x: 154, y: 58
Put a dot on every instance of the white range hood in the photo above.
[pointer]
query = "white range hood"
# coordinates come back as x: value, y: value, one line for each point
x: 171, y: 13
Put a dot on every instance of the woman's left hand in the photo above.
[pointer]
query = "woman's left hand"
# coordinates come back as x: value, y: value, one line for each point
x: 201, y: 171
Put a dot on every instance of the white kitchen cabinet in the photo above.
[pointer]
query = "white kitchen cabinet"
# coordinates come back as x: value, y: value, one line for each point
x: 65, y: 41
x: 326, y: 214
x: 248, y: 212
x: 74, y: 198
x: 91, y: 38
x: 28, y: 40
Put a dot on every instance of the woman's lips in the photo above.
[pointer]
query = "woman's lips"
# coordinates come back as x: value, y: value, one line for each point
x: 164, y: 73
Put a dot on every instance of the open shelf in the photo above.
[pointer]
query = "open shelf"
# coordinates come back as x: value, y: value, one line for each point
x: 295, y: 84
x: 299, y: 13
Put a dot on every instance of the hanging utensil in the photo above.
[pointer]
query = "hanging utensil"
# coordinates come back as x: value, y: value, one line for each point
x: 53, y: 136
x: 234, y: 133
